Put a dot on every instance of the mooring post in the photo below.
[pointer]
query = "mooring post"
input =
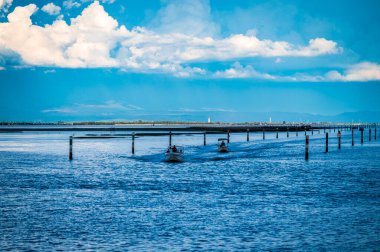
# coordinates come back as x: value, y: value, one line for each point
x: 263, y: 134
x: 133, y: 143
x: 327, y: 142
x: 339, y: 136
x: 307, y: 148
x: 204, y: 138
x: 277, y: 133
x: 247, y: 135
x: 312, y: 131
x: 71, y: 148
x: 361, y: 136
x: 287, y: 132
x: 228, y: 136
x: 369, y: 134
x: 170, y: 139
x: 297, y: 133
x: 352, y: 136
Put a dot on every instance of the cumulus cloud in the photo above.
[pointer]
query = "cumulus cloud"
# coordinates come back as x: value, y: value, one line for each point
x: 95, y: 39
x: 237, y: 71
x: 364, y: 71
x: 5, y: 4
x: 51, y: 9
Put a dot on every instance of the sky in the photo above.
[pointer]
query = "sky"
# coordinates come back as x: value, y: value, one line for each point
x: 188, y: 60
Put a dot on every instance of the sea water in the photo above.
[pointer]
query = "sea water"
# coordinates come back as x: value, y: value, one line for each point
x: 262, y: 195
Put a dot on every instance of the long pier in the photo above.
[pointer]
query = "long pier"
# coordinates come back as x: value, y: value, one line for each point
x: 220, y: 127
x: 136, y: 131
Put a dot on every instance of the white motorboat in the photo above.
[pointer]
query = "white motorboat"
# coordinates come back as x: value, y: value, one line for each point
x: 174, y: 154
x: 222, y: 145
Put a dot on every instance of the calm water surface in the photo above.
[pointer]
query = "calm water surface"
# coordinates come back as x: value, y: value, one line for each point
x: 262, y: 195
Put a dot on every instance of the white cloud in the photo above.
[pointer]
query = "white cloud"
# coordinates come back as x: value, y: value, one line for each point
x: 101, y: 108
x: 69, y: 4
x: 95, y: 39
x: 51, y: 9
x: 237, y: 71
x: 5, y: 4
x: 365, y: 71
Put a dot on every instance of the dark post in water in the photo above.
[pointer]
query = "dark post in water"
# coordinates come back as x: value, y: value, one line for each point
x: 361, y: 135
x: 287, y: 132
x: 375, y: 134
x: 327, y: 142
x: 71, y: 148
x: 277, y: 133
x: 204, y: 138
x: 228, y: 136
x: 369, y: 134
x: 247, y: 135
x: 263, y: 134
x: 307, y: 148
x: 170, y: 139
x: 133, y: 143
x: 339, y: 136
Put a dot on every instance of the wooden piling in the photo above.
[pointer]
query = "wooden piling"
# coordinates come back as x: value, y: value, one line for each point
x: 297, y: 133
x: 228, y: 136
x: 287, y: 132
x: 369, y: 135
x: 247, y: 135
x: 375, y: 133
x: 277, y: 133
x: 312, y: 131
x: 71, y: 148
x: 170, y: 139
x: 263, y: 134
x: 204, y: 138
x: 133, y: 143
x: 307, y: 148
x: 327, y: 142
x: 361, y: 135
x: 339, y: 136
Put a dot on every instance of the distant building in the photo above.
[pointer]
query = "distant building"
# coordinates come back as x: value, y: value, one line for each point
x: 209, y: 120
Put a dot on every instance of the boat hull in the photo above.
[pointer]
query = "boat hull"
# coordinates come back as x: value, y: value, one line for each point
x: 174, y: 157
x: 223, y: 149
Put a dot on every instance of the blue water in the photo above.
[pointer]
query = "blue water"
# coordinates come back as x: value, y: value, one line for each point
x: 262, y: 195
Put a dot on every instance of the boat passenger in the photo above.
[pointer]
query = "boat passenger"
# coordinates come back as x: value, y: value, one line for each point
x: 174, y: 149
x: 223, y: 144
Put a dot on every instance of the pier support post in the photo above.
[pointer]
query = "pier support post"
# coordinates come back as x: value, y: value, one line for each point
x: 297, y: 133
x: 327, y: 142
x: 247, y: 135
x: 312, y: 131
x: 307, y: 148
x: 375, y: 133
x: 361, y: 135
x: 204, y: 138
x: 228, y: 136
x: 263, y: 134
x: 352, y: 136
x: 71, y: 148
x: 370, y: 134
x: 133, y: 143
x: 277, y: 134
x: 170, y: 139
x: 287, y: 132
x: 339, y: 136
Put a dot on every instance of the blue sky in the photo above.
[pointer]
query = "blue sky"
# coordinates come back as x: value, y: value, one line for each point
x: 188, y: 60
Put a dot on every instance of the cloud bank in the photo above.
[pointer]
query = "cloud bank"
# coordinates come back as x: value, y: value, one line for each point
x: 94, y: 39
